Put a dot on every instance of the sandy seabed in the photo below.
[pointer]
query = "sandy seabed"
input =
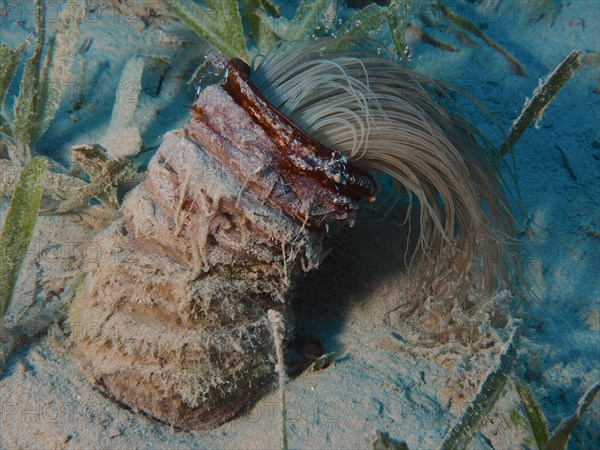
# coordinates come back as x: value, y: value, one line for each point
x: 414, y: 395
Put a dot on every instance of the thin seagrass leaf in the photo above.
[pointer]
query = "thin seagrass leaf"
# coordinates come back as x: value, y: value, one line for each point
x: 24, y: 111
x: 278, y: 332
x: 204, y: 23
x: 519, y: 424
x: 462, y: 432
x: 560, y: 436
x: 421, y: 35
x: 365, y: 21
x: 230, y: 19
x: 18, y: 227
x: 541, y: 97
x: 307, y: 15
x: 123, y: 135
x: 535, y: 415
x: 264, y: 36
x: 57, y: 66
x: 396, y: 20
x: 9, y: 59
x: 472, y: 28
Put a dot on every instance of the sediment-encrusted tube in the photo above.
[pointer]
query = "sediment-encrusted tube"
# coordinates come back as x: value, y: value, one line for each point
x: 172, y: 318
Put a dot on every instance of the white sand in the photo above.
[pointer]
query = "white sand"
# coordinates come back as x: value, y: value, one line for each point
x: 45, y: 402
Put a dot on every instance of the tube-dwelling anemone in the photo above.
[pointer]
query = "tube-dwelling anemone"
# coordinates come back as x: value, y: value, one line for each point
x: 235, y: 205
x: 392, y: 120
